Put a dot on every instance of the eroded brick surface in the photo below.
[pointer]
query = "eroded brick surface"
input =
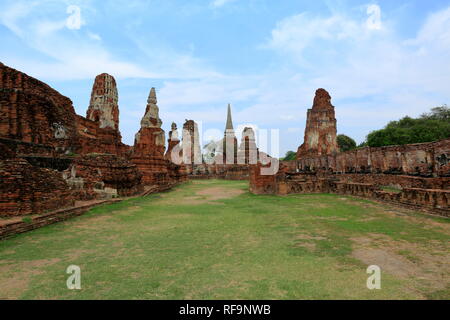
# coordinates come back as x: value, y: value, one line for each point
x: 33, y: 112
x: 420, y: 172
x: 149, y: 147
x: 52, y: 156
x: 103, y: 176
x: 26, y: 189
x: 320, y: 133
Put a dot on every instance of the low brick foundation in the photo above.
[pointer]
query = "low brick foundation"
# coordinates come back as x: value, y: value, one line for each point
x: 434, y: 201
x: 12, y: 228
x: 218, y: 171
x: 17, y: 226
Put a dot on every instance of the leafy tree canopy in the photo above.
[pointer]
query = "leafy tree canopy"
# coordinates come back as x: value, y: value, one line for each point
x: 345, y: 143
x: 290, y: 155
x: 429, y: 127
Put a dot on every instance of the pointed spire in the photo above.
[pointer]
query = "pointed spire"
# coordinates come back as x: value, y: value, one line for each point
x: 229, y: 120
x: 151, y: 117
x: 152, y: 96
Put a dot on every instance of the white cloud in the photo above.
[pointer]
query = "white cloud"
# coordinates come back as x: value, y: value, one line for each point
x: 373, y: 75
x: 212, y: 90
x: 168, y: 63
x: 9, y: 16
x: 80, y: 54
x: 296, y: 33
x: 435, y: 34
x: 287, y: 117
x: 220, y: 3
x: 94, y: 36
x: 46, y: 27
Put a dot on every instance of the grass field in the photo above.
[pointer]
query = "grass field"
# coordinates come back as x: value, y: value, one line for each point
x: 214, y: 240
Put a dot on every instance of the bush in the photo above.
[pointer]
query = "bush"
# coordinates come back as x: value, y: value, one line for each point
x: 429, y: 127
x: 290, y: 155
x: 345, y: 143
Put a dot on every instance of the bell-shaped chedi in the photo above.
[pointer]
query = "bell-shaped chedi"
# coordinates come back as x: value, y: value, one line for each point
x: 320, y: 132
x: 149, y: 145
x: 150, y: 140
x: 248, y: 152
x: 151, y: 118
x: 103, y: 106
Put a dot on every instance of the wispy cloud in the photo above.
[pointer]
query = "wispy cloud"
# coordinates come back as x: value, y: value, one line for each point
x: 63, y: 34
x: 220, y: 3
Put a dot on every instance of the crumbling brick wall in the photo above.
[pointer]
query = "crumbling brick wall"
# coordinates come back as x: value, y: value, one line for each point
x: 33, y: 112
x: 421, y: 160
x: 218, y: 171
x: 419, y: 171
x: 103, y: 176
x: 25, y: 189
x: 93, y: 139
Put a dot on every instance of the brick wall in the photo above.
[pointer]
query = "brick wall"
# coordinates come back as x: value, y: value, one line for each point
x: 420, y: 171
x: 25, y: 189
x: 422, y: 160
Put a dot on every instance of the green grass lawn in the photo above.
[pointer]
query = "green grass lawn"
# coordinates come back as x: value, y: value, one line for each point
x: 215, y: 240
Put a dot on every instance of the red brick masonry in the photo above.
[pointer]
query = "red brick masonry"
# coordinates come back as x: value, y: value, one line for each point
x: 421, y: 172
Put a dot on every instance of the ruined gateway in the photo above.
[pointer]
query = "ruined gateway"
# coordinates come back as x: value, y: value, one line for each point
x: 50, y: 157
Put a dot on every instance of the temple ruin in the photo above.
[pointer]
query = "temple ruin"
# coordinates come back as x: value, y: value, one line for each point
x: 420, y: 172
x: 50, y: 157
x: 320, y: 132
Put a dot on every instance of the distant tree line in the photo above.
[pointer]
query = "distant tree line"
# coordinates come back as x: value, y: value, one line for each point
x: 290, y: 155
x: 429, y: 127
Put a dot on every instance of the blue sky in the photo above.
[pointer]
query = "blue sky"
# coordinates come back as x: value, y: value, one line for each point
x: 380, y: 60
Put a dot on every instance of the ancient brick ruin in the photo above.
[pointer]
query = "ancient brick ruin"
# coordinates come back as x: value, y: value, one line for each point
x: 50, y: 157
x: 149, y: 146
x: 320, y: 132
x: 100, y: 129
x: 191, y: 153
x: 419, y: 172
x: 231, y: 162
x: 103, y: 106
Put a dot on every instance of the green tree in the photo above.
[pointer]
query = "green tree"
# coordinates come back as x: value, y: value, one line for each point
x: 363, y: 144
x: 438, y: 113
x: 290, y: 155
x: 345, y: 143
x: 427, y: 128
